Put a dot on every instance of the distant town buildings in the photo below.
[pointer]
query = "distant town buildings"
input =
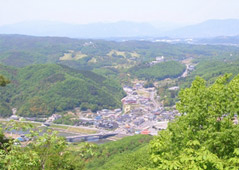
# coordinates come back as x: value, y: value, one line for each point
x: 15, y: 117
x: 53, y: 118
x: 141, y: 113
x: 191, y: 67
x: 174, y: 88
x: 14, y: 111
x: 157, y: 60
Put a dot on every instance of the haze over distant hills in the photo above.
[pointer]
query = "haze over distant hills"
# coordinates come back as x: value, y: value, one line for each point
x: 210, y: 28
x: 227, y: 40
x: 94, y: 30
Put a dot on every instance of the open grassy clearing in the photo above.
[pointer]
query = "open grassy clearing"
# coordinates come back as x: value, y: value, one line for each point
x: 134, y: 54
x: 58, y: 126
x: 71, y: 129
x: 72, y: 56
x: 122, y: 53
x: 80, y: 130
x: 187, y: 61
x: 92, y: 60
x: 34, y: 124
x: 170, y: 82
x: 123, y: 66
x: 54, y: 127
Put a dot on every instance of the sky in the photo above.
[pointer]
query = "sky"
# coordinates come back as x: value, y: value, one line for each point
x: 91, y: 11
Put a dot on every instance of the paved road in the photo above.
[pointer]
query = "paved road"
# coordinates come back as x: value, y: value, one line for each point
x: 185, y: 74
x: 153, y: 94
x: 80, y: 127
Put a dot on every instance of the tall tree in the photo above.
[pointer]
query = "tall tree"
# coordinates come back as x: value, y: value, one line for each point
x: 3, y: 140
x: 205, y: 136
x: 3, y: 81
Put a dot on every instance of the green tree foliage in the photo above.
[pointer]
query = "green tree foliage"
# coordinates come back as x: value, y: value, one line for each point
x: 115, y: 155
x: 210, y: 70
x: 47, y: 151
x: 41, y: 90
x: 168, y: 97
x: 3, y: 81
x: 4, y: 107
x: 67, y: 120
x: 205, y: 135
x: 5, y: 110
x: 170, y: 69
x: 20, y: 51
x: 137, y: 159
x: 149, y: 84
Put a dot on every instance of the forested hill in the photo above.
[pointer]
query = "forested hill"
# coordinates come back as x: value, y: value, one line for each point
x: 20, y: 51
x: 40, y: 90
x: 160, y: 71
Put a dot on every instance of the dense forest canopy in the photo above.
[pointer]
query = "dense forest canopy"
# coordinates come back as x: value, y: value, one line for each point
x: 41, y: 90
x: 19, y: 50
x: 3, y: 81
x: 4, y: 107
x: 169, y: 69
x: 210, y: 70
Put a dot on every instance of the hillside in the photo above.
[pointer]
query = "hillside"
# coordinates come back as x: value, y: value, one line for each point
x: 114, y: 60
x: 20, y: 51
x: 169, y: 69
x: 225, y: 40
x: 209, y: 28
x: 104, y: 30
x: 124, y: 29
x: 210, y: 70
x: 41, y: 90
x: 128, y: 153
x: 203, y: 137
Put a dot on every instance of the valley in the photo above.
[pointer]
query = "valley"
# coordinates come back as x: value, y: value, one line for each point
x: 104, y: 104
x: 141, y: 112
x: 119, y: 85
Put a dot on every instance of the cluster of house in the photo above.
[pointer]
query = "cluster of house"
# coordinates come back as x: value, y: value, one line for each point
x: 133, y: 97
x: 22, y: 138
x: 107, y: 118
x: 174, y: 88
x: 140, y: 114
x: 191, y: 67
x: 136, y: 121
x: 52, y: 118
x: 88, y: 44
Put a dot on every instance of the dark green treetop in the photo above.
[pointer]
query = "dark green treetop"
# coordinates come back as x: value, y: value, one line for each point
x: 205, y: 136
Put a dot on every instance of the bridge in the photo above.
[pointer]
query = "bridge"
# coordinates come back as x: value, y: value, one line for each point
x: 82, y: 138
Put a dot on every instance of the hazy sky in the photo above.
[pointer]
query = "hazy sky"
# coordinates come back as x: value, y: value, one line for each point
x: 88, y: 11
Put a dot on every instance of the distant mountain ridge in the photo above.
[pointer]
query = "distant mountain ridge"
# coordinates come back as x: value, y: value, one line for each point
x: 209, y: 28
x: 227, y: 40
x: 94, y: 30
